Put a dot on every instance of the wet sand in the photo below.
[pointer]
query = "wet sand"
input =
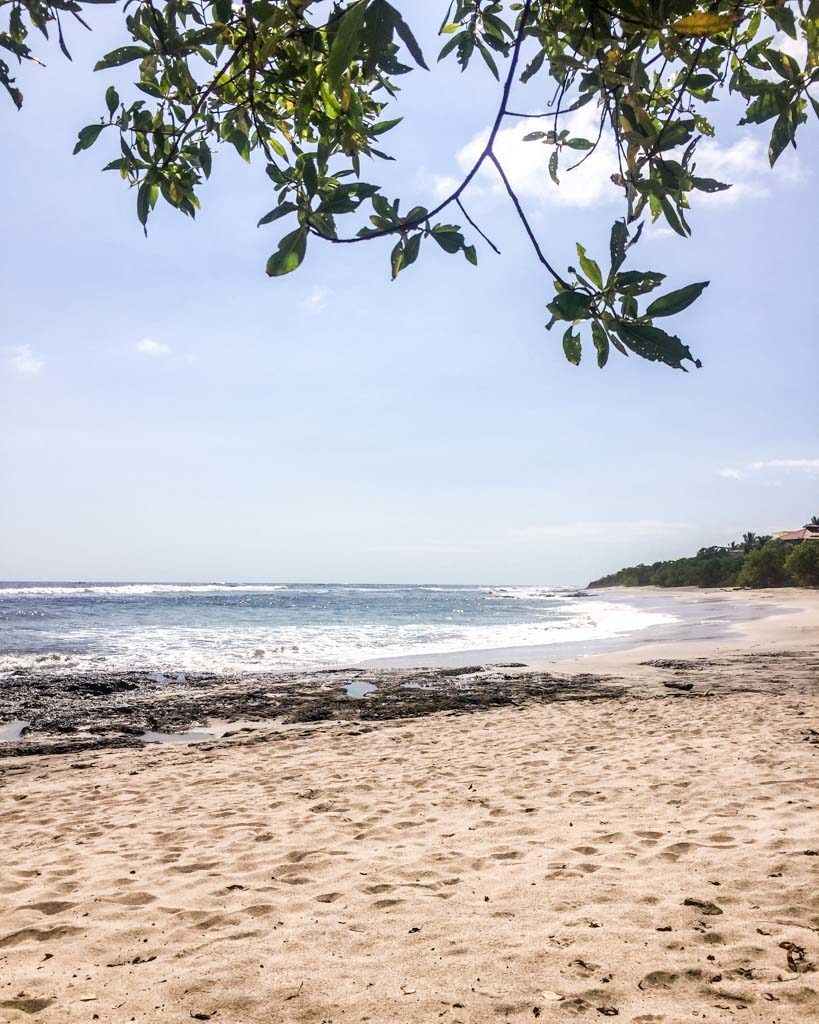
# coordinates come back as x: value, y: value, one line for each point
x: 652, y: 856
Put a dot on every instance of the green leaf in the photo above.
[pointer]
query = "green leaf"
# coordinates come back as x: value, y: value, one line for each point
x: 676, y: 301
x: 384, y: 126
x: 87, y: 137
x: 489, y: 60
x: 767, y: 105
x: 289, y: 255
x: 533, y: 66
x: 471, y: 254
x: 571, y: 346
x: 569, y: 305
x: 111, y: 99
x: 709, y: 185
x: 120, y: 56
x: 241, y: 143
x: 146, y: 197
x: 617, y: 244
x: 672, y: 217
x: 222, y: 9
x: 601, y: 343
x: 280, y: 211
x: 783, y: 132
x: 553, y: 161
x: 589, y: 267
x: 783, y: 64
x: 783, y: 18
x: 397, y: 259
x: 654, y: 344
x: 450, y: 45
x: 408, y: 39
x: 411, y: 249
x: 205, y: 158
x: 638, y: 282
x: 345, y: 43
x: 449, y: 241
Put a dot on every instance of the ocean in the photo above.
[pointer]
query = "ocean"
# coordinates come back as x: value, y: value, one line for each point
x: 257, y: 627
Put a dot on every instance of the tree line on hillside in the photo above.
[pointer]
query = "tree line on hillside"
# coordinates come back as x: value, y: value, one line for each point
x: 755, y: 562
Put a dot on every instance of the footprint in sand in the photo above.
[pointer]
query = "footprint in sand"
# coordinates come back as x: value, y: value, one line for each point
x: 49, y: 908
x: 37, y: 935
x: 28, y: 1005
x: 658, y: 980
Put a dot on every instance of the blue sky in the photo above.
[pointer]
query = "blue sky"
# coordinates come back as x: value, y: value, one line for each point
x: 168, y: 412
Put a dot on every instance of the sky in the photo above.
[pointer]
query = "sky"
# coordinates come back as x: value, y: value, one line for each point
x: 167, y: 412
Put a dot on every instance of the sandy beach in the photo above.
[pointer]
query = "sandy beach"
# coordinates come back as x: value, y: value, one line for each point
x: 651, y: 856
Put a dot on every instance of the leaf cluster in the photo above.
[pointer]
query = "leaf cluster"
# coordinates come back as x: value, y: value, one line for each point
x: 309, y: 89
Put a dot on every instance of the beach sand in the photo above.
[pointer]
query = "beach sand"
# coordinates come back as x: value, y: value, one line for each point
x: 653, y: 858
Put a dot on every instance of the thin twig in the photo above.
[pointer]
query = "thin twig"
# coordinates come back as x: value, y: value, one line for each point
x: 524, y: 221
x: 549, y: 113
x: 488, y: 241
x: 586, y: 155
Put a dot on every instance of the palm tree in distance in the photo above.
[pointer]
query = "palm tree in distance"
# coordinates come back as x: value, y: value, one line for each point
x: 748, y: 541
x: 814, y: 520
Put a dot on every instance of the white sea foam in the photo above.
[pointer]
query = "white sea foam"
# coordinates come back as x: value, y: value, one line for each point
x: 134, y: 589
x: 255, y: 648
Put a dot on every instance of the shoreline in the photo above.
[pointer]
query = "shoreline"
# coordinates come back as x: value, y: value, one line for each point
x: 792, y: 623
x: 538, y: 656
x: 52, y: 712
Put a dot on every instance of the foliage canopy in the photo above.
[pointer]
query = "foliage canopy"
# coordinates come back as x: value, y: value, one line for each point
x: 754, y: 562
x: 307, y: 88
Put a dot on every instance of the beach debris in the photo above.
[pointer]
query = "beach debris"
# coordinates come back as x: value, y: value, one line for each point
x: 408, y: 990
x: 200, y: 1016
x: 679, y: 686
x: 551, y: 997
x: 797, y: 958
x: 608, y: 1011
x: 704, y: 906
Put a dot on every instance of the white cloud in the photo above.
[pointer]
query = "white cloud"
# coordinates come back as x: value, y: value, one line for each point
x: 743, y: 164
x: 527, y: 163
x: 149, y: 347
x: 316, y: 301
x: 604, y: 530
x: 23, y: 360
x: 796, y: 48
x: 765, y: 466
x: 800, y: 465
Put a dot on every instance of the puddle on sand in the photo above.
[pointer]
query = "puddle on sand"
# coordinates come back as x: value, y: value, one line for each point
x: 176, y: 737
x: 13, y: 730
x: 160, y: 677
x: 215, y: 729
x: 358, y: 688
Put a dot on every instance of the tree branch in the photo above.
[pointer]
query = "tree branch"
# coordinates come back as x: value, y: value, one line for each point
x: 525, y: 222
x: 407, y: 225
x: 488, y: 241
